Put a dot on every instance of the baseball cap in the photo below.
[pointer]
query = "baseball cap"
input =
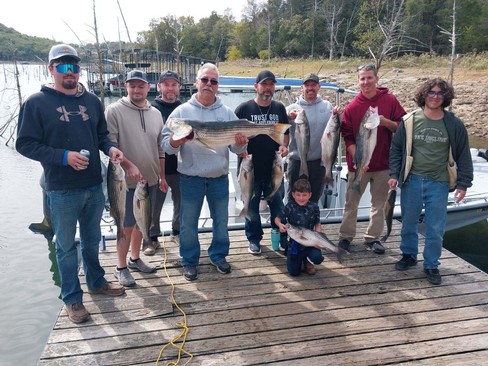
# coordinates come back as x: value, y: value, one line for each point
x: 136, y: 75
x: 62, y: 50
x: 265, y: 75
x: 168, y: 74
x: 311, y: 77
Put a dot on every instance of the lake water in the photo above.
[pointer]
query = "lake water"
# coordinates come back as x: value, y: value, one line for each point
x: 28, y: 276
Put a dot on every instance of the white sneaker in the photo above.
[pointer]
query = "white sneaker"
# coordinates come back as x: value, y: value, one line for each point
x: 124, y: 277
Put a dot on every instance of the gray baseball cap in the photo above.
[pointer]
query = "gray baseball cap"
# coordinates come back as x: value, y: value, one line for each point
x: 136, y: 75
x: 63, y: 50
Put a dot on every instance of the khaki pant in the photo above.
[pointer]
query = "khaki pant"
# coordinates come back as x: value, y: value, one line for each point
x: 378, y: 187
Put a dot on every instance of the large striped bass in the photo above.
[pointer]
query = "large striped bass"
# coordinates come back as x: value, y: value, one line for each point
x: 246, y: 184
x: 217, y: 134
x: 302, y: 137
x: 311, y: 238
x: 142, y: 210
x: 365, y: 144
x: 330, y: 144
x: 117, y: 191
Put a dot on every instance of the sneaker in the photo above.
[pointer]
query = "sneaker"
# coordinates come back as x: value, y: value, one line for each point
x: 405, y: 263
x: 222, y: 267
x: 151, y: 248
x: 124, y: 277
x: 139, y: 265
x: 433, y: 276
x: 254, y: 248
x: 344, y: 244
x: 110, y: 289
x: 376, y: 247
x: 77, y: 312
x: 190, y: 272
x: 309, y: 267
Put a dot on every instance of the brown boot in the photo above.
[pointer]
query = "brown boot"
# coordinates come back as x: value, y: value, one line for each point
x: 309, y: 267
x: 77, y: 312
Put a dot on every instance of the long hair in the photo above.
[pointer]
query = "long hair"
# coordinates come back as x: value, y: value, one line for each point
x: 425, y: 88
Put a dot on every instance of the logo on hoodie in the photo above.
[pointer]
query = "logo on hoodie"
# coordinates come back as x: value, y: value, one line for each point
x: 65, y: 114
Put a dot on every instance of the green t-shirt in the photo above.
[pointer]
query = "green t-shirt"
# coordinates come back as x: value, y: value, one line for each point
x: 430, y: 148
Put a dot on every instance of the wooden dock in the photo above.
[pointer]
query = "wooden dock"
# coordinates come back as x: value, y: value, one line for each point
x: 361, y: 312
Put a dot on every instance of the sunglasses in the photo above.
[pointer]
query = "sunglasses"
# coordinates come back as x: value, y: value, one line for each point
x: 434, y: 94
x: 367, y: 67
x: 206, y: 80
x: 64, y: 68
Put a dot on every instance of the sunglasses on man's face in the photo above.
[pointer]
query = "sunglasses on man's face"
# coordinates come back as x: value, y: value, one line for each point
x: 367, y: 67
x: 206, y: 80
x: 64, y: 68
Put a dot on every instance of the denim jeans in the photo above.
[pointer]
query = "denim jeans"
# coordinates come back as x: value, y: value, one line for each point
x: 68, y: 207
x: 294, y: 261
x: 417, y: 193
x: 193, y: 191
x: 254, y: 230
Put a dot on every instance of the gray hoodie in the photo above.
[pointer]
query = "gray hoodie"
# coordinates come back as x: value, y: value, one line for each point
x: 318, y: 114
x: 196, y: 160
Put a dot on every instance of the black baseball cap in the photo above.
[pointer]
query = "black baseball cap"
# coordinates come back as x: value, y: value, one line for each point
x: 311, y: 77
x: 265, y: 75
x: 168, y: 74
x: 136, y: 75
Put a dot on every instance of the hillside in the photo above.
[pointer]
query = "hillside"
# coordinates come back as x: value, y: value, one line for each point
x: 402, y: 77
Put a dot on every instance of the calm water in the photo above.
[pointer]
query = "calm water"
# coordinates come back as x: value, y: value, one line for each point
x: 28, y: 279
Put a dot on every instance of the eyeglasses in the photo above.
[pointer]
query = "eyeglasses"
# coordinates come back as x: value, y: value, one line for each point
x: 206, y: 80
x: 367, y: 67
x: 63, y: 68
x: 434, y: 94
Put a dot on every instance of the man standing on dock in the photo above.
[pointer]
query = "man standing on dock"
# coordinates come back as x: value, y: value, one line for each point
x: 204, y: 174
x: 166, y: 102
x: 429, y: 138
x: 55, y: 125
x: 135, y: 127
x: 264, y: 110
x: 390, y: 112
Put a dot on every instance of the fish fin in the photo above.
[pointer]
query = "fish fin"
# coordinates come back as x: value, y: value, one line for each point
x: 341, y: 252
x: 384, y: 238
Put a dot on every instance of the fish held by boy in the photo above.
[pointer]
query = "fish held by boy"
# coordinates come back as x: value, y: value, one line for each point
x: 330, y: 143
x: 246, y: 184
x: 117, y: 191
x: 217, y: 134
x: 365, y: 144
x: 388, y: 209
x: 311, y: 238
x: 302, y: 137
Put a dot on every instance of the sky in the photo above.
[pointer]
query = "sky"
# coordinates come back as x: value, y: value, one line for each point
x: 48, y: 18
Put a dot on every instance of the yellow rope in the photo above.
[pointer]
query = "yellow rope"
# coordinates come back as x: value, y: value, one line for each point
x: 182, y: 336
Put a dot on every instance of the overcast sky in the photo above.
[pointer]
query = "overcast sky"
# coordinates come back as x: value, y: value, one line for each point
x: 48, y: 18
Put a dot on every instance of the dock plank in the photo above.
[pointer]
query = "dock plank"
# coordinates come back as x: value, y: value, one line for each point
x: 359, y: 312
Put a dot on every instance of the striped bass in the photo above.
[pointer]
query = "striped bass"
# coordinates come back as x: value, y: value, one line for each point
x: 311, y: 238
x: 217, y: 134
x: 117, y: 191
x: 277, y: 175
x: 389, y: 208
x: 329, y: 144
x: 365, y: 144
x: 246, y: 184
x: 302, y: 137
x: 142, y: 210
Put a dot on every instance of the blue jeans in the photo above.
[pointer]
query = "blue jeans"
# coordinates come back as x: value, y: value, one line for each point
x: 294, y: 260
x: 68, y: 207
x: 193, y: 190
x: 418, y: 193
x: 254, y: 230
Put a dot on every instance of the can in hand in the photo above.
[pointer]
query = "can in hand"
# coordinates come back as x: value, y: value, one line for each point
x: 86, y: 154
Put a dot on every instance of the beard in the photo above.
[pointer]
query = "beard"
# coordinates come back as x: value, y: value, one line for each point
x: 69, y: 85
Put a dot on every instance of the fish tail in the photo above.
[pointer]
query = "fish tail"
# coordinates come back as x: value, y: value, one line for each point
x: 384, y: 238
x: 341, y: 252
x: 278, y: 133
x: 328, y: 178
